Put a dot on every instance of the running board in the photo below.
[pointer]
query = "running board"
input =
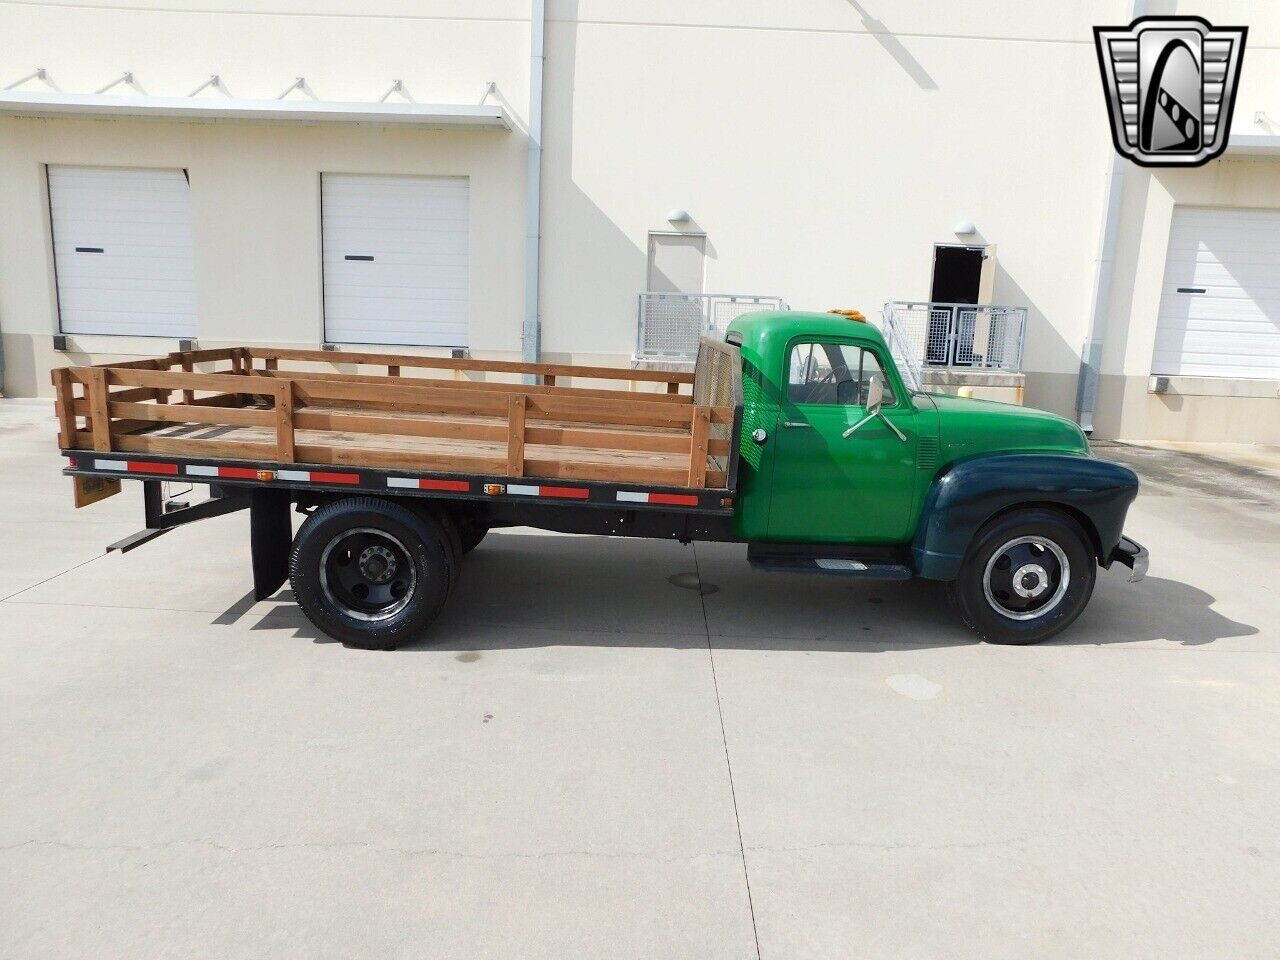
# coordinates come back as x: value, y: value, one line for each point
x: 831, y: 566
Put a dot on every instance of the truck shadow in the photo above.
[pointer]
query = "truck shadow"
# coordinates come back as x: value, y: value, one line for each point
x: 537, y: 590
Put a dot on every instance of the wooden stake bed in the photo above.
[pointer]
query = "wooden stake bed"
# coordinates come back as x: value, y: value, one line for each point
x: 419, y: 414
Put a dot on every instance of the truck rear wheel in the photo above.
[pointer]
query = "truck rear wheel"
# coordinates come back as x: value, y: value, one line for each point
x: 370, y: 572
x: 1027, y: 576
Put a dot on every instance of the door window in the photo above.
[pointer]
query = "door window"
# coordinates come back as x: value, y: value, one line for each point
x: 834, y: 374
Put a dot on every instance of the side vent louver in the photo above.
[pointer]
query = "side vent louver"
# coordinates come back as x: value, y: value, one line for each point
x: 927, y: 453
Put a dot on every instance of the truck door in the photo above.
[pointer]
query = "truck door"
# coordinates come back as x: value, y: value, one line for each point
x: 828, y: 487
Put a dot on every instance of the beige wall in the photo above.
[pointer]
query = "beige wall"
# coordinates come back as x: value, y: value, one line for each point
x: 1195, y: 408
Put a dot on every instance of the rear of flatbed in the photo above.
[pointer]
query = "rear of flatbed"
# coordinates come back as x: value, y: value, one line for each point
x: 465, y: 448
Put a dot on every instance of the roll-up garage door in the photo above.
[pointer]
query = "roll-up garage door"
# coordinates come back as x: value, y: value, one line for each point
x: 122, y: 250
x: 1220, y: 308
x: 395, y: 259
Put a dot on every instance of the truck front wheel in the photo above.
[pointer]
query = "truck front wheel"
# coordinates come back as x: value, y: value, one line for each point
x: 370, y: 572
x: 1027, y: 576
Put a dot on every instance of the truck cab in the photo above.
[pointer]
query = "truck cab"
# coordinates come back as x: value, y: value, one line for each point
x: 841, y: 447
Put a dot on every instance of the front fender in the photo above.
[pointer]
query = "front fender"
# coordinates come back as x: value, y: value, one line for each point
x: 972, y: 491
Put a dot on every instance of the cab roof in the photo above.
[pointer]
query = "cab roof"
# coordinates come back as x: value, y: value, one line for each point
x: 784, y: 325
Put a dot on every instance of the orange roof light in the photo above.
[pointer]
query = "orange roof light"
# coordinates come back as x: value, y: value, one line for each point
x: 851, y: 314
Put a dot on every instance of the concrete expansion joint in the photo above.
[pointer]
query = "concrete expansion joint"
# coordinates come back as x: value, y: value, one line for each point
x: 879, y: 845
x: 409, y: 852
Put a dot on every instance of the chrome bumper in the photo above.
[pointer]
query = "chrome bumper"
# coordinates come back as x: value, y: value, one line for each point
x: 1134, y: 556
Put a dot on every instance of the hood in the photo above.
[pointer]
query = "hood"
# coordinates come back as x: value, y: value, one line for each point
x: 967, y: 427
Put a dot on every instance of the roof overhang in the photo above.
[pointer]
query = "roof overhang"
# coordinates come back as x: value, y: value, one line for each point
x: 22, y: 103
x: 1254, y: 145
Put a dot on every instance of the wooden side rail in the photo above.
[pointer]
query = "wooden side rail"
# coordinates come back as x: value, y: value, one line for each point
x: 449, y: 426
x: 552, y: 370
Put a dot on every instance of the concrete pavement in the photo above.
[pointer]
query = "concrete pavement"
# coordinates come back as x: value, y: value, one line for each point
x: 632, y: 749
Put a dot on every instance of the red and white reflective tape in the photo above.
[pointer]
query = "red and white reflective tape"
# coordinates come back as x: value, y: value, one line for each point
x: 317, y: 476
x: 559, y: 493
x: 427, y: 483
x: 136, y: 466
x: 229, y: 473
x: 665, y: 499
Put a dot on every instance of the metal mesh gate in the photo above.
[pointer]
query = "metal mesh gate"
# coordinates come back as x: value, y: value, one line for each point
x: 963, y: 335
x: 670, y: 325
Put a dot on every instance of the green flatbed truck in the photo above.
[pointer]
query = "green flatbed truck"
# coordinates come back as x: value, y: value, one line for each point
x: 810, y: 444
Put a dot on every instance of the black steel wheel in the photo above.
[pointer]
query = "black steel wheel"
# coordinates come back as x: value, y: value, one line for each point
x: 1027, y: 576
x: 370, y: 572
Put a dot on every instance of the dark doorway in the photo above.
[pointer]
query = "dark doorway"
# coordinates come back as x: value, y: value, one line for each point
x: 957, y: 278
x: 957, y: 274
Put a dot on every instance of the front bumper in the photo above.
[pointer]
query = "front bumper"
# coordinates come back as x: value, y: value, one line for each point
x: 1134, y: 556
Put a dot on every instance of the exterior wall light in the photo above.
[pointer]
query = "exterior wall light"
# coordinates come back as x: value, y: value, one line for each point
x: 964, y: 228
x: 678, y: 216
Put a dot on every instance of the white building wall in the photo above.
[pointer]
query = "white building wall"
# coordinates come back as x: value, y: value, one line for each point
x: 823, y: 146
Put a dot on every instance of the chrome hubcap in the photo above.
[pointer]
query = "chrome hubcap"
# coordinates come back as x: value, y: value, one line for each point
x: 1026, y: 578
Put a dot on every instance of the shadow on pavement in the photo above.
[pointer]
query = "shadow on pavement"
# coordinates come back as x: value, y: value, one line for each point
x: 542, y: 590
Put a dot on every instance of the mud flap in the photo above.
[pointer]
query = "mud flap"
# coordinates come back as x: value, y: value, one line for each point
x: 270, y: 536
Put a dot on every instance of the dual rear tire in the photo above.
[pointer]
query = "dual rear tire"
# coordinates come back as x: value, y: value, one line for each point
x: 373, y: 573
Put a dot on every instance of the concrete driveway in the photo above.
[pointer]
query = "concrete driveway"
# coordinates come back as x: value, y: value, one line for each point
x: 633, y: 749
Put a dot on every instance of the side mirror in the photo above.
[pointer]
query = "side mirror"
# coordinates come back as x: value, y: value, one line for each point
x: 875, y: 396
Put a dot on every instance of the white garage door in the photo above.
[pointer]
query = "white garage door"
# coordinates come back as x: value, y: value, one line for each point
x: 122, y: 249
x: 395, y: 259
x: 1220, y: 309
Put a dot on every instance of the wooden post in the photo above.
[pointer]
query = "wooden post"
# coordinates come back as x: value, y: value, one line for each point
x: 99, y: 417
x: 272, y: 363
x: 65, y: 401
x: 188, y: 396
x: 393, y: 370
x: 698, y: 446
x: 515, y: 435
x: 284, y: 421
x: 549, y: 380
x: 673, y: 387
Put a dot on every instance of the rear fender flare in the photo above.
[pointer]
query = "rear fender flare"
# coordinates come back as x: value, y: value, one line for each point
x: 971, y: 492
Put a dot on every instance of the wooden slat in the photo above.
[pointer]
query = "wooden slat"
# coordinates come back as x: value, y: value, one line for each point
x: 403, y: 397
x: 99, y: 415
x: 203, y: 356
x: 284, y: 421
x: 496, y: 366
x: 495, y: 431
x: 367, y: 457
x: 599, y: 411
x: 527, y: 389
x: 187, y: 413
x: 606, y: 439
x: 698, y: 447
x: 187, y: 447
x: 515, y: 436
x: 175, y: 379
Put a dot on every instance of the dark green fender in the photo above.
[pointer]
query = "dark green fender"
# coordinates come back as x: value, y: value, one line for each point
x: 972, y: 491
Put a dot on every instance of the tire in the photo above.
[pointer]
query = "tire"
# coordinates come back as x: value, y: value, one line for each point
x: 1026, y: 577
x: 371, y: 573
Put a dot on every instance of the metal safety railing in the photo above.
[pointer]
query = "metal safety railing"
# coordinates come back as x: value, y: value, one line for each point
x: 962, y: 336
x: 669, y: 325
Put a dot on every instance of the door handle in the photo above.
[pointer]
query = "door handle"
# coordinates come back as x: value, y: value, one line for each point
x: 795, y: 424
